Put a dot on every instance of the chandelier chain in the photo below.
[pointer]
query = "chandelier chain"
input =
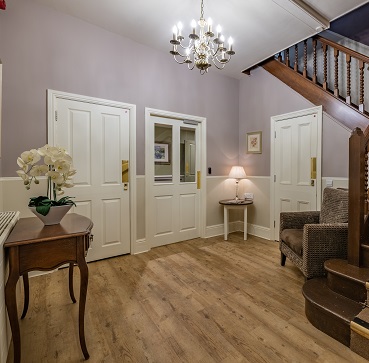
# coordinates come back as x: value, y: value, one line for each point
x: 202, y: 9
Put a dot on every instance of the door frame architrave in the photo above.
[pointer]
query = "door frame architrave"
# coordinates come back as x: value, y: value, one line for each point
x: 318, y: 110
x: 52, y: 97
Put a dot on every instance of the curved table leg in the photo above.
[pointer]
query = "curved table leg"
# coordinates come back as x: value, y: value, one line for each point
x: 11, y: 305
x: 82, y: 305
x: 71, y: 292
x: 26, y: 294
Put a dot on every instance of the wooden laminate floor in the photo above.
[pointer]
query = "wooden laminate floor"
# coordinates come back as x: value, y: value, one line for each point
x: 196, y: 301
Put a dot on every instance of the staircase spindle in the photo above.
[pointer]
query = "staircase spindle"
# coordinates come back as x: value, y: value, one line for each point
x: 314, y: 62
x: 336, y: 54
x: 361, y: 97
x: 279, y: 57
x: 304, y: 73
x: 325, y: 84
x: 287, y: 56
x: 296, y: 65
x: 348, y: 78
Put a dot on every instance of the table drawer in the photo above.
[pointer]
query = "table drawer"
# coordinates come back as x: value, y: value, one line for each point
x: 47, y: 255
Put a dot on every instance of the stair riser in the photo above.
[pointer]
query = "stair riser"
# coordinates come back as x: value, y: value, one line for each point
x: 344, y: 286
x: 327, y: 323
x: 365, y: 257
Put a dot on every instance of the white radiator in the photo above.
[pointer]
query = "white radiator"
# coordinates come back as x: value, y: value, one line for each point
x: 7, y: 222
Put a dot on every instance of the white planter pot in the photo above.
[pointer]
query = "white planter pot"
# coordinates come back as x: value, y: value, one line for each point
x: 55, y: 215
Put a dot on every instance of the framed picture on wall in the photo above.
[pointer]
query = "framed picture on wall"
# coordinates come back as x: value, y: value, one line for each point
x: 161, y: 153
x: 253, y: 142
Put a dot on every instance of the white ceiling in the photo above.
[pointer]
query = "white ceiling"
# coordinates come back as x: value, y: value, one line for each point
x: 260, y: 28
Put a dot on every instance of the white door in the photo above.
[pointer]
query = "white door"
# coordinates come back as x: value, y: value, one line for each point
x: 297, y: 179
x: 97, y: 137
x: 173, y: 162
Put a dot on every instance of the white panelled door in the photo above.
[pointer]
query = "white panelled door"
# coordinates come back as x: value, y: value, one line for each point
x: 296, y: 164
x: 173, y: 197
x: 97, y: 137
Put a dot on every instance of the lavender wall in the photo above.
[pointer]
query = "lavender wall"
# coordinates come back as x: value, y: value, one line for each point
x: 263, y: 96
x: 42, y: 49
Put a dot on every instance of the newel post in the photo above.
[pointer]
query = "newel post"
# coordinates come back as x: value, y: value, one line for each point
x: 356, y: 195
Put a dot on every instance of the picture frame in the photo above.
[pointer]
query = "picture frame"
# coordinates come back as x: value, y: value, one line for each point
x: 162, y: 153
x: 254, y: 142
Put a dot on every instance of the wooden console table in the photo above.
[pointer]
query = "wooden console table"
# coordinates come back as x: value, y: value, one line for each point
x: 33, y: 246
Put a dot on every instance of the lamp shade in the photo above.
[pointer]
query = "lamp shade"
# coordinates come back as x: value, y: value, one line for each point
x: 237, y: 172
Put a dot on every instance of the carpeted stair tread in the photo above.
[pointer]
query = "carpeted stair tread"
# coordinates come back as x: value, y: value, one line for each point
x: 329, y: 311
x: 347, y: 280
x: 317, y: 292
x: 341, y: 267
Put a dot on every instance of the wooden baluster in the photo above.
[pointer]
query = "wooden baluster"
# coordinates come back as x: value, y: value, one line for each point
x: 304, y: 73
x: 336, y: 54
x: 314, y: 62
x: 287, y: 56
x: 279, y: 57
x: 296, y: 65
x: 348, y: 78
x: 325, y: 46
x: 361, y: 97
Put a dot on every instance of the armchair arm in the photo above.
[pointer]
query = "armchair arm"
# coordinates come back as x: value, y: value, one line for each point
x: 297, y: 220
x: 322, y: 242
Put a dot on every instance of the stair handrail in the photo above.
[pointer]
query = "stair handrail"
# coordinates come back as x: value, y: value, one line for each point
x: 337, y: 49
x: 342, y: 48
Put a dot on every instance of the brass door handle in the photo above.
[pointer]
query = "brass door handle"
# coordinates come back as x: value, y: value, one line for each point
x: 125, y: 171
x: 313, y: 168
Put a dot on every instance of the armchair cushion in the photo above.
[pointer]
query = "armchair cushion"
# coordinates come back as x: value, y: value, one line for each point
x: 293, y: 239
x: 335, y: 206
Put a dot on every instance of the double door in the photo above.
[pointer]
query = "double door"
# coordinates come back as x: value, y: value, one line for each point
x: 173, y: 159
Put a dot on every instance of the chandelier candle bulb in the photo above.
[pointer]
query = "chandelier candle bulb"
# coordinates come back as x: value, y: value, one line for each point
x: 210, y: 23
x: 174, y: 33
x: 230, y: 42
x: 180, y: 27
x: 193, y: 25
x: 219, y: 30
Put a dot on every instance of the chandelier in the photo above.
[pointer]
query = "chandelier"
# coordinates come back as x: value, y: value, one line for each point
x: 203, y: 49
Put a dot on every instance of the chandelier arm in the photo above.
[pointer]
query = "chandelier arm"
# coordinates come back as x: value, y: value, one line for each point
x: 216, y: 66
x: 224, y: 61
x: 190, y: 44
x: 191, y: 68
x: 179, y: 62
x: 182, y: 55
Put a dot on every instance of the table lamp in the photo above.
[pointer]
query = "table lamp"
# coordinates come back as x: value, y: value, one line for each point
x: 238, y: 173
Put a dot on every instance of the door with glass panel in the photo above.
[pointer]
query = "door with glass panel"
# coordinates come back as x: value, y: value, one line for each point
x: 173, y: 194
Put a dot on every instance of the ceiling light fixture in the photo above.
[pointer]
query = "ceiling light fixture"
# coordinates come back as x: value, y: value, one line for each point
x: 202, y: 48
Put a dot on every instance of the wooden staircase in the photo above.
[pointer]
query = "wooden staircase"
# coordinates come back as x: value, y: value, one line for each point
x: 338, y: 303
x: 331, y: 303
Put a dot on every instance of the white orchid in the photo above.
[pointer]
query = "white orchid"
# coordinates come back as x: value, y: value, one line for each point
x: 30, y: 157
x: 38, y: 170
x: 57, y: 167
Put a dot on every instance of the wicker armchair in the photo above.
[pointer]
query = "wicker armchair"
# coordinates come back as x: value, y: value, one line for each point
x: 308, y: 239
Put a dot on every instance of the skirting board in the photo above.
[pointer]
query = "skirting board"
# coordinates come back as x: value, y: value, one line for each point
x: 253, y: 229
x: 212, y: 231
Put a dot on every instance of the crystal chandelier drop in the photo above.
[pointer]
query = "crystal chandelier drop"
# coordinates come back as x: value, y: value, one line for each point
x: 203, y: 49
